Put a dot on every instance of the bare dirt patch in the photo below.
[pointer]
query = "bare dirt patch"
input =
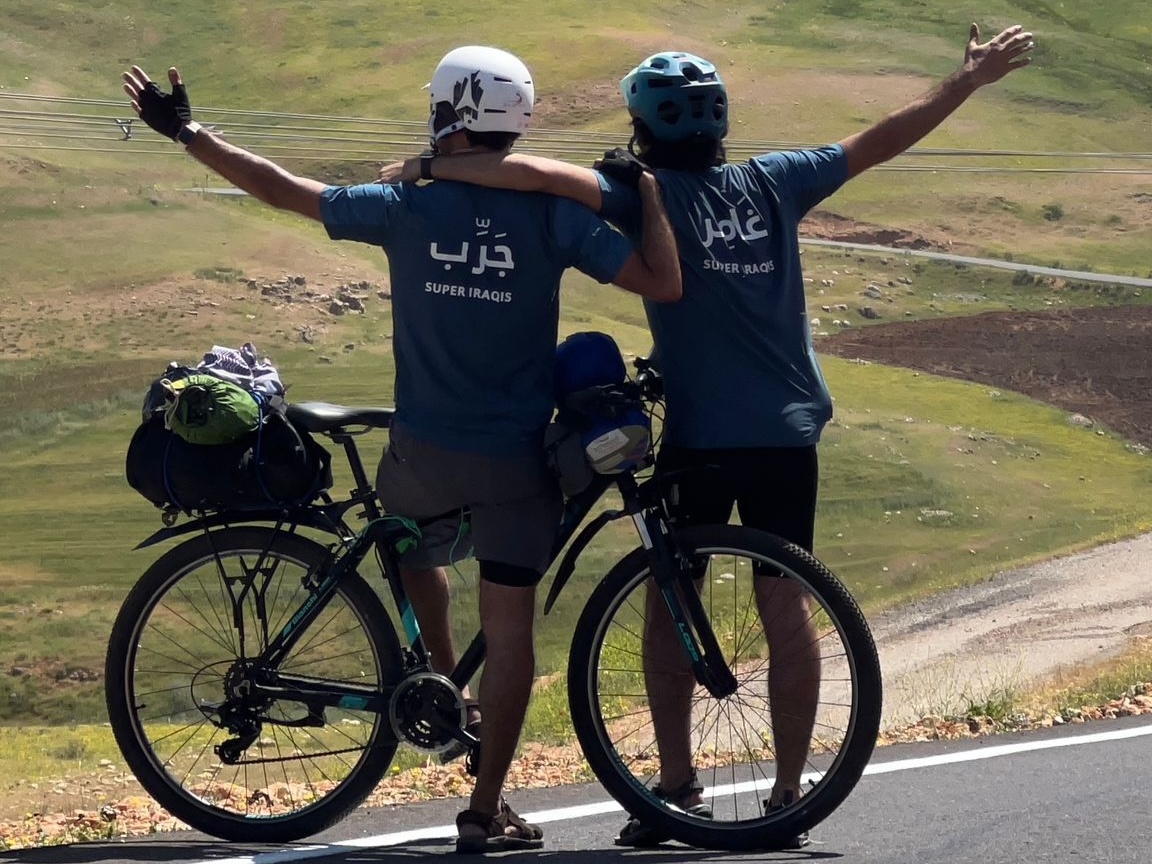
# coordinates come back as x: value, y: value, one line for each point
x: 1092, y: 361
x: 137, y: 317
x: 825, y: 225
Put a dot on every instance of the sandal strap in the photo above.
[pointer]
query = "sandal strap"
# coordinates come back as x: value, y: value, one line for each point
x: 693, y: 786
x: 512, y: 819
x: 485, y: 821
x: 496, y: 824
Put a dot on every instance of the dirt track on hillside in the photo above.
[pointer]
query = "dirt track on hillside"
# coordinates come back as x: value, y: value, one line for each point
x: 976, y: 643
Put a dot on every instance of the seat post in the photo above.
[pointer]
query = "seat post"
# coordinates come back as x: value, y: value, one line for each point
x: 364, y: 489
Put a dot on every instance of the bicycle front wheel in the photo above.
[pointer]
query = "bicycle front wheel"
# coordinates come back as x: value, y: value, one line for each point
x: 806, y: 708
x: 180, y: 647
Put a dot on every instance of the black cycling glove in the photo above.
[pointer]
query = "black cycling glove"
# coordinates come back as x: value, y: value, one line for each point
x: 620, y: 164
x: 167, y: 113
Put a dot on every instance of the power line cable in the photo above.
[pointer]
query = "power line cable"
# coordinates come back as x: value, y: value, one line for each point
x: 374, y: 140
x: 555, y: 135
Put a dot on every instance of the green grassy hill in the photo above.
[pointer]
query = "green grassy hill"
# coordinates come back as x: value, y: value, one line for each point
x: 110, y: 270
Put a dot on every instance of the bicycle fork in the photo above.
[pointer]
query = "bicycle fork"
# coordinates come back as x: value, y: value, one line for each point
x: 670, y: 569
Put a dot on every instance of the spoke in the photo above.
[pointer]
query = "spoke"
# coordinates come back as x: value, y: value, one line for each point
x: 331, y: 753
x: 613, y: 718
x: 170, y: 759
x: 147, y: 649
x: 193, y: 726
x: 309, y: 783
x: 281, y: 582
x: 292, y: 667
x: 754, y: 761
x: 357, y: 627
x: 226, y: 629
x: 139, y: 672
x: 315, y: 632
x: 748, y: 633
x: 267, y: 781
x: 210, y: 636
x: 175, y: 688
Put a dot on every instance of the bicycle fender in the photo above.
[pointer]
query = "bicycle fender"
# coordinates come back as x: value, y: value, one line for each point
x: 305, y: 519
x: 568, y: 565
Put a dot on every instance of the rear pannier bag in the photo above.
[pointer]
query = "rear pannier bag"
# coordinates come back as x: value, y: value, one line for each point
x: 259, y: 459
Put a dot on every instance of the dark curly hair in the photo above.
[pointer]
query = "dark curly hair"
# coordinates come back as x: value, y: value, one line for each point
x: 698, y: 153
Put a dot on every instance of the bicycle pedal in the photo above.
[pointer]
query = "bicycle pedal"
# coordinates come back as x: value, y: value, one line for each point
x: 472, y: 761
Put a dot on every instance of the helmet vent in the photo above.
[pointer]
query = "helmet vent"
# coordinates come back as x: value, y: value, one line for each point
x: 669, y: 112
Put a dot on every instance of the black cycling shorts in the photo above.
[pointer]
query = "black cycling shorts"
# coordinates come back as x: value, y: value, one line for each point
x: 509, y: 575
x: 773, y: 488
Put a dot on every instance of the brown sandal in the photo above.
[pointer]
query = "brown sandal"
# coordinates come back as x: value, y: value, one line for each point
x: 505, y: 832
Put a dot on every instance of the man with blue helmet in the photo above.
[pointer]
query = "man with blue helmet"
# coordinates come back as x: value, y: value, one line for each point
x: 744, y: 389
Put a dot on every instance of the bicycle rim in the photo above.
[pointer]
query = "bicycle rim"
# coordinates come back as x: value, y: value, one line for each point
x: 177, y: 644
x: 822, y: 655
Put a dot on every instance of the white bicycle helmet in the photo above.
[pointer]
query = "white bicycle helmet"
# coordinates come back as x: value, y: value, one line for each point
x: 481, y: 89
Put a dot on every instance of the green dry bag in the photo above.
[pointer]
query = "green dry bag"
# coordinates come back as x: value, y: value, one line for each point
x: 204, y: 409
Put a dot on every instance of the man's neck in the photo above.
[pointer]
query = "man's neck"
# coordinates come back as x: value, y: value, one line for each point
x: 451, y: 149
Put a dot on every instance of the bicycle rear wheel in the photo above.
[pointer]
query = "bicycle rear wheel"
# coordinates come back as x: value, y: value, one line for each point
x: 819, y: 636
x: 180, y: 644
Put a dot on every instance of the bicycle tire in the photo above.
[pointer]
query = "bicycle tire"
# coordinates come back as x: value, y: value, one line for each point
x: 621, y: 752
x: 302, y: 799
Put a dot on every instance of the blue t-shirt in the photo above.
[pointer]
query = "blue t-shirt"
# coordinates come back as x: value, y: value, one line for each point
x: 475, y: 275
x: 736, y: 352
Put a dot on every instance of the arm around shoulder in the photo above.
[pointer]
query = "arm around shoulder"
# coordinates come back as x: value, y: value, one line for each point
x: 522, y: 172
x: 653, y: 271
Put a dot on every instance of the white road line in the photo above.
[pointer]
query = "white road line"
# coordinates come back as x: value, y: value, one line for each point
x: 600, y: 808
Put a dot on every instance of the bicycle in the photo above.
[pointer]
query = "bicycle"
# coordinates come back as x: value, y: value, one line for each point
x: 258, y: 690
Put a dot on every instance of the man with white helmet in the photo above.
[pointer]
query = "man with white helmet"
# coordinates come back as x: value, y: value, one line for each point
x: 475, y: 276
x: 746, y: 398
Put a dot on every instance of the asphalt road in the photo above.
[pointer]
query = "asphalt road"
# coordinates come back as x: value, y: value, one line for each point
x: 1075, y: 793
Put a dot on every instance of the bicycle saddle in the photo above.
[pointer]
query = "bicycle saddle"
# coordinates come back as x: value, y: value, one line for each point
x: 325, y: 417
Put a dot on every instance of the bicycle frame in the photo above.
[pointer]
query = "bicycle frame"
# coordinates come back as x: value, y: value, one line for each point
x: 644, y: 502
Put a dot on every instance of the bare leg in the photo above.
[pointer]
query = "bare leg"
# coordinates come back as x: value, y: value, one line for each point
x: 506, y: 617
x: 428, y: 591
x: 793, y: 675
x: 669, y: 681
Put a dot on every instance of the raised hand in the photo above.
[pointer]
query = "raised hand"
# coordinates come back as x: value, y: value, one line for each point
x: 167, y: 113
x: 992, y: 60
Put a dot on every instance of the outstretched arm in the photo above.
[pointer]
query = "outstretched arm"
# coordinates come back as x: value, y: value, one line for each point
x: 983, y: 64
x: 505, y: 171
x: 170, y: 114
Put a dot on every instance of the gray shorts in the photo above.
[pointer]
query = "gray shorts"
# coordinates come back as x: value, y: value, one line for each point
x: 514, y: 501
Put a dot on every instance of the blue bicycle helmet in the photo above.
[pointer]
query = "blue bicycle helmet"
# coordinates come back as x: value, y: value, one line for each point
x: 677, y: 96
